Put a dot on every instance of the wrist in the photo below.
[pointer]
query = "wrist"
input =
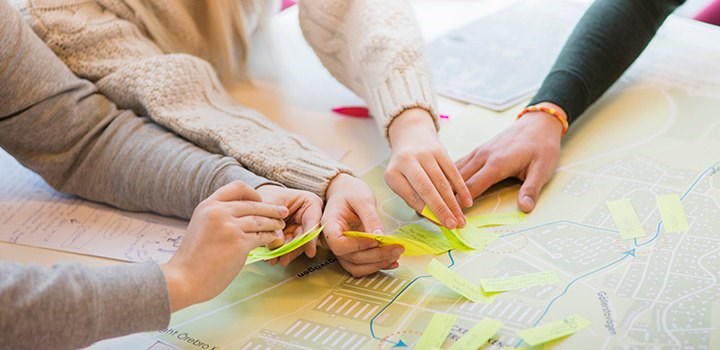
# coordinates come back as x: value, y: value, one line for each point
x: 548, y: 112
x: 410, y: 122
x: 338, y: 179
x: 179, y: 292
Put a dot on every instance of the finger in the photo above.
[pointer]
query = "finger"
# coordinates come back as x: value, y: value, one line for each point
x: 392, y: 266
x: 235, y: 191
x: 426, y: 189
x: 458, y: 183
x: 340, y: 244
x: 538, y: 175
x: 370, y: 256
x: 487, y: 176
x: 259, y: 224
x: 360, y: 270
x: 245, y: 208
x: 402, y: 187
x: 366, y: 212
x: 262, y: 238
x: 445, y: 190
x: 474, y: 162
x: 311, y: 218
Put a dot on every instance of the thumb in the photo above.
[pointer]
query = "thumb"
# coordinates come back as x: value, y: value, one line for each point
x: 271, y: 239
x: 538, y: 176
x: 369, y: 217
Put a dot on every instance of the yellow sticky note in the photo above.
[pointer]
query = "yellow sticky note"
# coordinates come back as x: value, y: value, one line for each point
x: 672, y: 213
x: 263, y: 253
x: 427, y: 213
x: 478, y: 335
x: 412, y: 248
x: 553, y: 330
x: 497, y: 219
x: 437, y: 242
x: 458, y: 283
x: 469, y: 238
x: 626, y: 219
x: 436, y: 332
x: 518, y: 282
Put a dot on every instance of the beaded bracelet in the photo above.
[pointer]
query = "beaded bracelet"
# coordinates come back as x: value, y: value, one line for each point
x: 549, y: 110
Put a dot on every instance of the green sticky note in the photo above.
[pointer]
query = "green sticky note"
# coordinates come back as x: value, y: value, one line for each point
x: 626, y: 219
x: 672, y: 213
x: 553, y: 330
x: 497, y: 219
x: 263, y: 253
x: 458, y: 283
x: 518, y: 282
x: 427, y: 213
x: 436, y: 332
x: 478, y: 335
x: 469, y: 238
x: 437, y: 242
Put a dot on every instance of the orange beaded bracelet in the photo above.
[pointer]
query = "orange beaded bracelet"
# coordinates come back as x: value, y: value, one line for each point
x: 549, y: 110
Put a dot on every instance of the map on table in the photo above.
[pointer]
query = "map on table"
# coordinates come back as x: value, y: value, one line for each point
x: 656, y: 133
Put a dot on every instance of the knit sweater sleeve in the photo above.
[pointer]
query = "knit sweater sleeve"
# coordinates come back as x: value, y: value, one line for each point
x: 608, y: 38
x: 178, y: 91
x: 373, y: 47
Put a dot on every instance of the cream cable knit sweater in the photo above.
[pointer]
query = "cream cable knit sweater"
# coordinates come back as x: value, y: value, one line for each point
x: 372, y: 46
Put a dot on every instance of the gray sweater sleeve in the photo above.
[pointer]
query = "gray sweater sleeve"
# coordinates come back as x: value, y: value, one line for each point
x: 58, y: 126
x: 608, y: 38
x: 69, y: 306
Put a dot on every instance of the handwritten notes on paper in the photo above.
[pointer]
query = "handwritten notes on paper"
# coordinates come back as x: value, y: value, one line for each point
x: 672, y: 213
x: 478, y: 335
x: 626, y: 219
x: 436, y: 332
x: 458, y: 283
x: 497, y: 219
x: 263, y: 253
x: 519, y: 282
x: 553, y: 330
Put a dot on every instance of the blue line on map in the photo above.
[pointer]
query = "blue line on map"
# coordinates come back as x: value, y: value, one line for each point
x: 372, y: 320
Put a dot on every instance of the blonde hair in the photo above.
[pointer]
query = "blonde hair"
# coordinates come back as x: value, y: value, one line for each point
x: 223, y: 25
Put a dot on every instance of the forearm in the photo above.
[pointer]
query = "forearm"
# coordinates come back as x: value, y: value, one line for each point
x: 70, y: 306
x: 606, y: 41
x: 373, y: 47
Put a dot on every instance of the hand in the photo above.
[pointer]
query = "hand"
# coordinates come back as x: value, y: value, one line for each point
x: 305, y: 211
x: 422, y: 173
x: 222, y: 231
x: 350, y: 205
x: 528, y: 150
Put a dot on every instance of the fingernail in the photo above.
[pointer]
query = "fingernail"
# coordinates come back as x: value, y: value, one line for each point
x: 529, y: 202
x: 450, y: 223
x: 377, y: 231
x: 468, y: 202
x: 283, y: 210
x: 398, y: 251
x: 463, y: 222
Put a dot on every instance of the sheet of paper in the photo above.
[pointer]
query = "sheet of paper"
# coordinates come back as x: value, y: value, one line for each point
x: 553, y: 330
x: 436, y: 332
x: 626, y: 219
x: 478, y: 335
x: 34, y: 214
x: 435, y: 240
x: 263, y: 253
x: 499, y: 60
x: 519, y: 282
x: 672, y: 213
x: 427, y: 213
x: 458, y: 283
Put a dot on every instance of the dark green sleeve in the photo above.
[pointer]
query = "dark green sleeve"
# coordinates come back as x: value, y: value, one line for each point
x: 608, y: 38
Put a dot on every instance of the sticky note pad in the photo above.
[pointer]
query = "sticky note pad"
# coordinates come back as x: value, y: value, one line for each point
x: 478, y: 335
x: 436, y: 241
x: 263, y: 253
x: 672, y: 213
x: 519, y: 282
x: 553, y: 330
x: 497, y: 219
x: 626, y: 219
x: 458, y: 283
x: 436, y: 332
x: 412, y: 247
x: 427, y: 213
